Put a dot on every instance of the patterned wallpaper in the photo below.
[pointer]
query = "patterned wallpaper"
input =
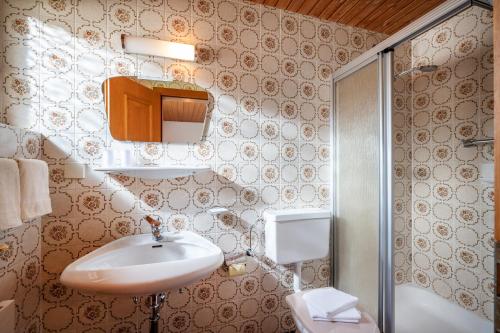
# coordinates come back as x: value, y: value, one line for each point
x: 268, y: 73
x: 451, y: 208
x: 402, y: 146
x: 20, y: 265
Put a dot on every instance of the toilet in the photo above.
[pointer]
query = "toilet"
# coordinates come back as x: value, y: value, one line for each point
x: 292, y: 237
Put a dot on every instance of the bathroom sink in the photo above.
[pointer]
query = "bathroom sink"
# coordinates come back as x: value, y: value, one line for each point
x: 139, y: 265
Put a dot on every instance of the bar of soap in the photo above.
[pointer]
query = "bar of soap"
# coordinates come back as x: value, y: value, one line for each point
x: 237, y: 269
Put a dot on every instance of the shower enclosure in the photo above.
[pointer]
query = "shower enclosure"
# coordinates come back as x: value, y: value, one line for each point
x: 412, y: 164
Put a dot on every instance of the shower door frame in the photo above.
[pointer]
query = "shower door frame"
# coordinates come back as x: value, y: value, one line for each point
x: 384, y: 93
x: 383, y: 53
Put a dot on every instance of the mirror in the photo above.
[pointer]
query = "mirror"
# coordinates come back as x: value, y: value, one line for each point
x: 155, y: 111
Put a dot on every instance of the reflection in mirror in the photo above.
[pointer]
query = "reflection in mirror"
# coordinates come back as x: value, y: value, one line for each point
x: 155, y: 111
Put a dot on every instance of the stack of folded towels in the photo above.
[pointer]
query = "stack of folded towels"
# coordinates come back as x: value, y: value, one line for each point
x: 24, y: 191
x: 330, y: 304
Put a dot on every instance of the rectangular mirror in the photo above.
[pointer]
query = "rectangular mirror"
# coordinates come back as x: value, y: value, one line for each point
x: 155, y: 111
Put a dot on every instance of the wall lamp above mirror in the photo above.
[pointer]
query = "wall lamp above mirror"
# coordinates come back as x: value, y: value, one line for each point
x: 158, y: 48
x: 155, y: 111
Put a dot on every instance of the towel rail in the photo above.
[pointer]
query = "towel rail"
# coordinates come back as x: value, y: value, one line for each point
x: 477, y: 142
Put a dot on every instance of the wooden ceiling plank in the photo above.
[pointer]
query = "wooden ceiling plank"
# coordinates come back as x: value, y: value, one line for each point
x: 332, y: 7
x: 343, y: 10
x: 271, y: 3
x: 359, y: 10
x: 295, y: 5
x: 381, y: 11
x: 366, y: 12
x: 412, y: 15
x: 307, y: 6
x: 283, y: 4
x: 395, y: 28
x: 319, y: 7
x: 376, y: 23
x: 404, y: 18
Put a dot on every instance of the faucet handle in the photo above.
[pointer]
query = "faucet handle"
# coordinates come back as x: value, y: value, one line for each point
x: 152, y: 221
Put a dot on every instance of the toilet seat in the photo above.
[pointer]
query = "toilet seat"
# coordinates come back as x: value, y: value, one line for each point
x: 305, y: 324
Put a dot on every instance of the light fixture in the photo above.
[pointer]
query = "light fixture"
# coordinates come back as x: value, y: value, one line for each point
x: 156, y: 47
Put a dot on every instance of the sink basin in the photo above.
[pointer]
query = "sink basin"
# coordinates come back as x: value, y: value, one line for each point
x: 139, y: 265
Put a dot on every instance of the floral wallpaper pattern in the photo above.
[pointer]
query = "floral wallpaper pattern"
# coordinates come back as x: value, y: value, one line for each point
x: 402, y: 146
x: 268, y: 72
x: 448, y: 239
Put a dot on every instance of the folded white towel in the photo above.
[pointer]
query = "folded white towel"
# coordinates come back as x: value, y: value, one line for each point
x: 330, y: 301
x: 351, y: 315
x: 10, y: 194
x: 35, y: 196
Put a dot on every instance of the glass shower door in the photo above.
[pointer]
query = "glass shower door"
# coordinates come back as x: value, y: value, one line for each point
x: 357, y: 186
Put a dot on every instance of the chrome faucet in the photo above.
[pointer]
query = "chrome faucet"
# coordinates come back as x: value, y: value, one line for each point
x: 155, y: 228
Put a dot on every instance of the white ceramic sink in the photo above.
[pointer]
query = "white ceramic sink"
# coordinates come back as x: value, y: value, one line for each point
x: 138, y: 265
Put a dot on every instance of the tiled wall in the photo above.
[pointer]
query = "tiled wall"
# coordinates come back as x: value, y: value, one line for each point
x: 20, y: 264
x: 452, y: 208
x: 402, y: 164
x: 268, y: 72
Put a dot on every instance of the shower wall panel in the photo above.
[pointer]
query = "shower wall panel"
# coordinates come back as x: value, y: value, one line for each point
x: 452, y: 208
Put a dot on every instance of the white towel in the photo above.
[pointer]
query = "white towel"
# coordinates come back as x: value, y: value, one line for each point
x: 330, y: 301
x: 35, y: 196
x: 351, y: 315
x: 10, y: 194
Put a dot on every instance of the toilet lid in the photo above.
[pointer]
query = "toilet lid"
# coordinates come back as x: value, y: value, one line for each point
x: 299, y: 308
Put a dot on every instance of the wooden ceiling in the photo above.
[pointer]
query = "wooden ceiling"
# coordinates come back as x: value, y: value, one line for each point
x: 387, y: 16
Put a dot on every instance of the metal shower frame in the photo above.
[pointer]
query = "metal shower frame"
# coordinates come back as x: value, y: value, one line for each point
x: 383, y: 54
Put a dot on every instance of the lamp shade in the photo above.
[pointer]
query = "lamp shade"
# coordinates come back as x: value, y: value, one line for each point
x: 159, y: 48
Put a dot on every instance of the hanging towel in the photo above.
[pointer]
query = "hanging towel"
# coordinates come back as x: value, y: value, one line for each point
x: 35, y: 197
x: 330, y: 301
x: 10, y: 194
x: 351, y: 315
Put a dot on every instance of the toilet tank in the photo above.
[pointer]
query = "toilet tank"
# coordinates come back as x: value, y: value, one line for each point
x: 295, y: 235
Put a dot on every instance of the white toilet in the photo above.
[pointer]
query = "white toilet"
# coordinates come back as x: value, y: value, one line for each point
x: 292, y: 237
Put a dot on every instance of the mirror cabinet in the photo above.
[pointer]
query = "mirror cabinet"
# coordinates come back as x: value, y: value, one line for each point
x: 155, y: 111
